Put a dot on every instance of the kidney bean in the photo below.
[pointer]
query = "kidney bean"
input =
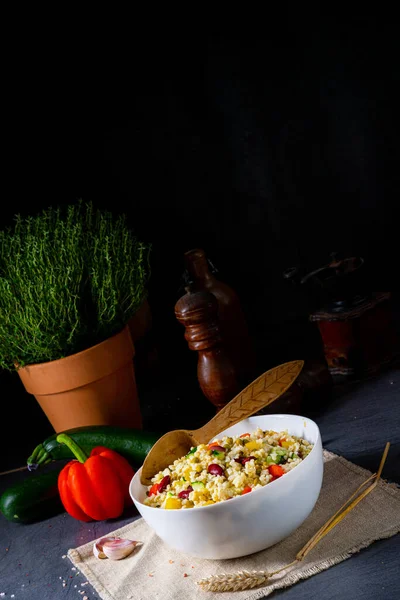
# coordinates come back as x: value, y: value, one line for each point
x: 247, y: 458
x: 163, y: 483
x: 244, y: 459
x: 185, y: 493
x: 217, y: 448
x: 215, y: 469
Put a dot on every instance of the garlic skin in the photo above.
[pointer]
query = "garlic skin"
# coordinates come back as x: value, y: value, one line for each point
x: 98, y: 547
x: 114, y: 548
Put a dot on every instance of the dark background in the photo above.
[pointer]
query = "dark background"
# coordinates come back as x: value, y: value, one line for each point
x: 267, y: 153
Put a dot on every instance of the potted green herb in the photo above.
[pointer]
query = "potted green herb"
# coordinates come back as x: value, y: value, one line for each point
x: 70, y: 282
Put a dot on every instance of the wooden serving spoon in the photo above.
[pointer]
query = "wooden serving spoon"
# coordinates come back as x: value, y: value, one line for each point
x: 264, y: 390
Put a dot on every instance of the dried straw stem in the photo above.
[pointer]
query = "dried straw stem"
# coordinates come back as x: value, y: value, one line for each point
x: 243, y: 580
x: 14, y: 470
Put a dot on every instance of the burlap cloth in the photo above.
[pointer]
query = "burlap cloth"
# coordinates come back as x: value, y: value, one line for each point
x: 156, y: 571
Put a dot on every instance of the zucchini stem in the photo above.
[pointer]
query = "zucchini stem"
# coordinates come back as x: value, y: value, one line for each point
x: 38, y: 456
x: 76, y: 450
x: 35, y: 453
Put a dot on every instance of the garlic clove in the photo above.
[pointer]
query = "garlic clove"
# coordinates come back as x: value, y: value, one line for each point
x: 114, y: 548
x: 119, y: 548
x: 98, y: 547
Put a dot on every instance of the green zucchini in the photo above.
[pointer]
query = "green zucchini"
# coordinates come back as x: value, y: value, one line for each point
x: 197, y: 485
x: 32, y: 499
x: 134, y: 444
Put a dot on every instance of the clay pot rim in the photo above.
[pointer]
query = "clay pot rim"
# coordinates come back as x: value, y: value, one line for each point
x: 76, y: 354
x: 81, y: 368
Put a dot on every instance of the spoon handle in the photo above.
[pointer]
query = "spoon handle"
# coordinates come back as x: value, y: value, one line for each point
x: 261, y: 392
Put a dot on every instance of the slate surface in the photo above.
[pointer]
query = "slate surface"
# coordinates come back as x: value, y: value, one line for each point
x: 355, y: 422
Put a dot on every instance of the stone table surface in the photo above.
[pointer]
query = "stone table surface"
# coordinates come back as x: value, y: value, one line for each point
x: 356, y: 422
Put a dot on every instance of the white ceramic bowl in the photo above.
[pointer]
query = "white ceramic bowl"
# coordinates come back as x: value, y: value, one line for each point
x: 248, y: 523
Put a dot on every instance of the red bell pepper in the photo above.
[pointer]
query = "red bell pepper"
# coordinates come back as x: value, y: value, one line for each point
x: 94, y: 488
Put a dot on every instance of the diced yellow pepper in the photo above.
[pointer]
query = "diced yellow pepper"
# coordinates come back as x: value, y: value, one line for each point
x: 286, y: 444
x: 172, y: 503
x: 208, y: 502
x: 255, y: 445
x: 187, y: 474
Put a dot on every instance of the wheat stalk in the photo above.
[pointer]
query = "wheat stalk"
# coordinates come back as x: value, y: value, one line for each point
x: 236, y: 582
x: 244, y: 580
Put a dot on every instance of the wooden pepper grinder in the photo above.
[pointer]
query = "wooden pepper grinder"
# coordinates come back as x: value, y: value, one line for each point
x: 233, y: 326
x: 217, y: 377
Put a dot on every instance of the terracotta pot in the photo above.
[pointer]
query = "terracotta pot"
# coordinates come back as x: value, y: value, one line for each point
x: 94, y: 387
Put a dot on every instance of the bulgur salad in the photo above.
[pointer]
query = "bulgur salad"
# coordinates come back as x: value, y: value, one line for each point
x: 226, y: 468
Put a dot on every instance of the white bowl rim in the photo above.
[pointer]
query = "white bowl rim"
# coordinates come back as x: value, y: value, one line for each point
x: 235, y: 498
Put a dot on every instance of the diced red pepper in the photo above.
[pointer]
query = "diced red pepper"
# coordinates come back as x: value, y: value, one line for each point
x: 213, y: 444
x: 246, y: 490
x: 276, y: 471
x: 244, y: 435
x: 154, y: 489
x: 160, y: 486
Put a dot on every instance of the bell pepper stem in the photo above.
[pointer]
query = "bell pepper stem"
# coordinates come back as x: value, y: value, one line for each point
x: 76, y: 450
